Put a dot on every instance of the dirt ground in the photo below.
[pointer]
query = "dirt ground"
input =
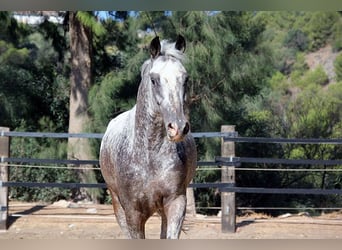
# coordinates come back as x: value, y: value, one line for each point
x: 65, y: 220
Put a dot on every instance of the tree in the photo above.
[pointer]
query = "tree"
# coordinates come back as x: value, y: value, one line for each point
x: 296, y: 39
x: 225, y: 64
x: 305, y: 111
x: 82, y: 25
x: 32, y: 98
x: 319, y: 28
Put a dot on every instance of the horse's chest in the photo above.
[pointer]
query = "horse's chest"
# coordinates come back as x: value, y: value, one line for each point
x: 154, y: 177
x: 156, y: 174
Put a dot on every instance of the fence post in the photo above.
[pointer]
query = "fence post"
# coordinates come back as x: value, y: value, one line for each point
x: 228, y: 176
x: 4, y: 153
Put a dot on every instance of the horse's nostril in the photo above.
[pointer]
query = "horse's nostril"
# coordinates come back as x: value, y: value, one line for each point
x: 172, y: 129
x: 186, y: 128
x: 172, y: 126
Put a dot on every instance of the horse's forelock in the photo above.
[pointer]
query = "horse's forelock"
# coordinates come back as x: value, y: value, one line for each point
x: 169, y: 49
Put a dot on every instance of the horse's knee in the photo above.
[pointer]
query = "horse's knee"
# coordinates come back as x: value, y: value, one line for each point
x: 176, y: 205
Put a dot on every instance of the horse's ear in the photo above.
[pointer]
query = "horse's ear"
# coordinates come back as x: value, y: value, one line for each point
x: 180, y: 43
x: 155, y: 47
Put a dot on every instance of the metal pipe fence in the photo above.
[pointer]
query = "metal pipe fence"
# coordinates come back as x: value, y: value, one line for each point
x: 232, y: 163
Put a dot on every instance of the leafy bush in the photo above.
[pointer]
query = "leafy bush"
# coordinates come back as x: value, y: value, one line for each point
x: 43, y: 148
x: 338, y: 67
x: 296, y: 39
x: 300, y: 63
x: 337, y: 36
x: 319, y: 28
x: 315, y: 77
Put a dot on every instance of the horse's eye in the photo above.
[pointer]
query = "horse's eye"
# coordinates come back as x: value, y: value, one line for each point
x: 154, y: 81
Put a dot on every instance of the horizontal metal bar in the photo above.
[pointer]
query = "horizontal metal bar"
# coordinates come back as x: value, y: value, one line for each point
x: 290, y: 169
x: 285, y: 140
x: 53, y: 185
x: 214, y: 134
x: 289, y: 208
x: 236, y: 161
x: 227, y: 161
x: 52, y: 135
x: 51, y: 161
x: 206, y: 163
x: 219, y: 161
x: 97, y: 185
x: 227, y: 136
x: 78, y: 162
x: 100, y: 135
x: 289, y: 161
x: 223, y: 187
x: 218, y: 185
x: 281, y: 190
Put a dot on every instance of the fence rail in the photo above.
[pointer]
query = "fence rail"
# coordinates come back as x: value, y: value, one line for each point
x: 226, y: 163
x: 219, y: 161
x: 227, y: 136
x: 222, y: 187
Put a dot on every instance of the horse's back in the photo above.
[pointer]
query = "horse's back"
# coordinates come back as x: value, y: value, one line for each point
x: 120, y: 126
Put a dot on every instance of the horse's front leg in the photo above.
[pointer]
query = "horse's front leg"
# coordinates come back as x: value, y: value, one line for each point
x: 163, y: 225
x: 175, y: 213
x: 136, y: 224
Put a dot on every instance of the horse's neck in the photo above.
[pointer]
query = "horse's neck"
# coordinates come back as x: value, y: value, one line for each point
x: 149, y: 126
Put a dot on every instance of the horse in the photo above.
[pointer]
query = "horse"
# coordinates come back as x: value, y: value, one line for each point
x: 148, y: 155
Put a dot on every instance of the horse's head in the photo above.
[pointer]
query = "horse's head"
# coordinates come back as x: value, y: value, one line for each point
x: 168, y: 79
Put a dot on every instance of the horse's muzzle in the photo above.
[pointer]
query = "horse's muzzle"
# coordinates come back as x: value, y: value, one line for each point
x: 176, y: 132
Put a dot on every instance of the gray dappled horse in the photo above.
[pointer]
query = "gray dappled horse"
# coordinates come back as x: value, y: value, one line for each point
x: 148, y: 156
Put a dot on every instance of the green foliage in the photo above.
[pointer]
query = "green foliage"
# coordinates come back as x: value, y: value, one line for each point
x: 88, y: 19
x: 337, y: 35
x: 288, y: 33
x: 279, y: 82
x: 11, y: 55
x: 41, y: 148
x: 319, y: 28
x: 16, y: 95
x: 112, y: 96
x: 296, y: 39
x: 28, y: 68
x: 43, y: 53
x: 233, y: 65
x: 312, y: 113
x: 316, y: 77
x: 246, y: 69
x: 300, y: 65
x: 9, y: 28
x: 338, y: 67
x: 115, y: 92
